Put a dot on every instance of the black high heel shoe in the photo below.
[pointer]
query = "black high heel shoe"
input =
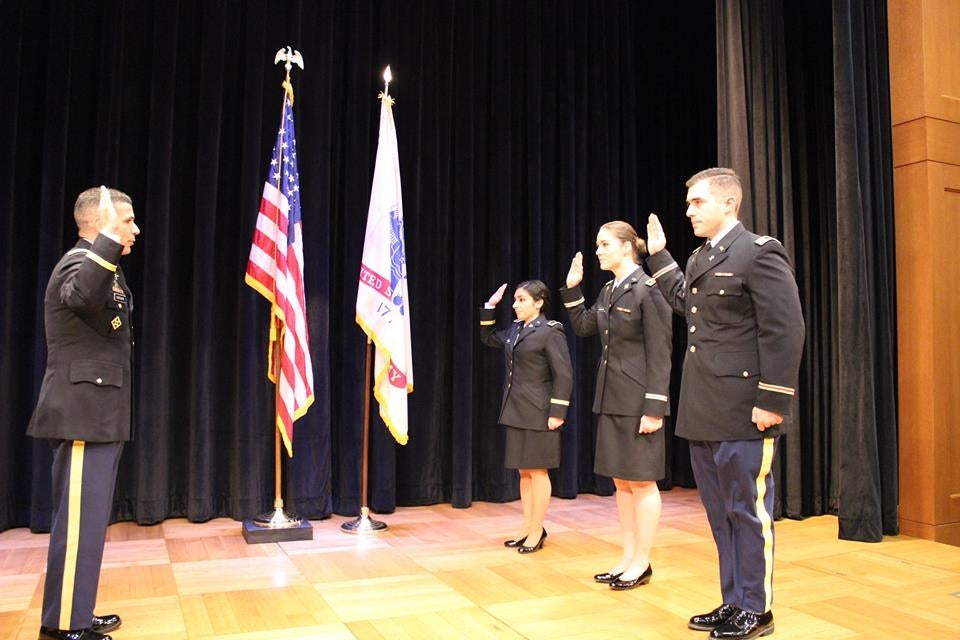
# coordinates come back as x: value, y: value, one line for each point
x: 514, y: 543
x: 623, y: 585
x: 606, y: 578
x: 525, y: 549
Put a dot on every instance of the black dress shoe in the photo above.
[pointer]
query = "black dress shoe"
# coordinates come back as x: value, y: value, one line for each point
x: 514, y: 543
x: 46, y: 633
x: 525, y: 549
x: 103, y: 624
x: 607, y: 578
x: 712, y: 620
x: 622, y: 585
x: 744, y: 625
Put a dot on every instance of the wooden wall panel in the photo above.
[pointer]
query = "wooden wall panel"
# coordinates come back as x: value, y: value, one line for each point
x: 905, y: 31
x: 910, y: 142
x: 943, y: 139
x: 944, y: 193
x: 926, y: 139
x: 941, y: 58
x: 925, y: 107
x: 915, y: 345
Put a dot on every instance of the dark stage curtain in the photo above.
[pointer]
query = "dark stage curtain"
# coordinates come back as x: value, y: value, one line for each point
x: 522, y: 127
x: 804, y: 116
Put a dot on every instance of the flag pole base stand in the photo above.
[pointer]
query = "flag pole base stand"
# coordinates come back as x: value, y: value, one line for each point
x: 363, y: 524
x: 276, y: 526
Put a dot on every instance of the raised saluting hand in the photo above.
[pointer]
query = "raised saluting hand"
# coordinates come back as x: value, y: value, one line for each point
x: 656, y: 239
x: 117, y: 220
x: 497, y: 296
x: 575, y: 275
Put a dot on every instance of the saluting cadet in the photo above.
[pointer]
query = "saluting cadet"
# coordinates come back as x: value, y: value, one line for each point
x: 84, y: 408
x: 745, y: 338
x: 633, y: 375
x: 536, y: 395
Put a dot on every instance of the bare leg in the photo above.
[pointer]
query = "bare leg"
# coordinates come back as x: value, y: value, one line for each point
x: 646, y: 514
x: 526, y: 500
x: 540, y: 492
x: 625, y: 512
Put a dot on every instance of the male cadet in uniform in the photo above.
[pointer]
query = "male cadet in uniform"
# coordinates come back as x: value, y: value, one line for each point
x: 84, y: 409
x: 745, y: 338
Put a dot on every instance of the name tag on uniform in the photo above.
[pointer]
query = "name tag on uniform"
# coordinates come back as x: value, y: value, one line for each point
x: 119, y: 297
x: 624, y: 310
x: 719, y: 274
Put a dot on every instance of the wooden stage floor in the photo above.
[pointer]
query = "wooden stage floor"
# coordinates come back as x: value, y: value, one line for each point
x: 439, y: 572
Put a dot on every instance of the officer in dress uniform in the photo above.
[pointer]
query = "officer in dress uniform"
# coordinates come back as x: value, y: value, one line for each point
x: 745, y: 339
x: 633, y: 375
x: 536, y: 396
x: 84, y: 408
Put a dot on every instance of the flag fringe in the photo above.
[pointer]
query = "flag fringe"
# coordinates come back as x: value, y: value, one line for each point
x: 401, y: 438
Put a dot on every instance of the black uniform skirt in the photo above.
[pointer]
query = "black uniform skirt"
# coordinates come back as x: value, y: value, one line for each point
x: 531, y: 449
x: 625, y: 454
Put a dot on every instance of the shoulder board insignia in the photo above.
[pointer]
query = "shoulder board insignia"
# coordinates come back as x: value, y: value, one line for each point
x: 697, y: 250
x: 650, y: 282
x: 609, y: 283
x: 516, y: 321
x: 77, y: 250
x: 762, y: 240
x: 554, y: 323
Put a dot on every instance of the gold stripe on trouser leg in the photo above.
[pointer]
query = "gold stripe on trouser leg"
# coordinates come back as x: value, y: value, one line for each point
x: 766, y: 522
x: 73, y: 534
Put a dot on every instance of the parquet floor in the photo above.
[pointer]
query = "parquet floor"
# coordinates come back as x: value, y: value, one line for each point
x: 439, y: 572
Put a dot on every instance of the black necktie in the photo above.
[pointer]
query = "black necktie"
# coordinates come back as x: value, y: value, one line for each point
x: 704, y: 250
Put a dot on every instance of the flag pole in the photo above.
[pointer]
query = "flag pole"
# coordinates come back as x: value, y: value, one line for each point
x: 364, y: 524
x: 278, y: 518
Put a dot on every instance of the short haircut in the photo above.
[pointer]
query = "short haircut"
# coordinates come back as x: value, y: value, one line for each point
x: 723, y: 182
x: 85, y: 208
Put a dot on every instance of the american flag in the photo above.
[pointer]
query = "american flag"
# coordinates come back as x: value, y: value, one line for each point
x: 275, y: 269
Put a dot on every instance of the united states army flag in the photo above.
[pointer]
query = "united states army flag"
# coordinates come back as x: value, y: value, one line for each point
x: 383, y: 305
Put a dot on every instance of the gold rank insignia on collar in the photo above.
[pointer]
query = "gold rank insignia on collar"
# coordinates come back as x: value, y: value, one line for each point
x: 116, y: 323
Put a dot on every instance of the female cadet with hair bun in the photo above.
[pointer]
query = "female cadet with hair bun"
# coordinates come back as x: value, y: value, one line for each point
x: 536, y: 395
x: 634, y: 323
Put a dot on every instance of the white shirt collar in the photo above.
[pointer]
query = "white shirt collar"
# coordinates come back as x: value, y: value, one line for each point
x: 724, y: 231
x: 616, y: 283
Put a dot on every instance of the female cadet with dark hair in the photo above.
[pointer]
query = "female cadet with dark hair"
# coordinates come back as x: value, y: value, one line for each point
x: 633, y: 321
x: 536, y: 395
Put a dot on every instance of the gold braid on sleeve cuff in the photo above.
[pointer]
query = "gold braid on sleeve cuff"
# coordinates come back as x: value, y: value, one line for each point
x: 670, y: 267
x: 763, y: 386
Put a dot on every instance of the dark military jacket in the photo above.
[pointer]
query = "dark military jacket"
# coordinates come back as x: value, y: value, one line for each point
x: 86, y: 391
x: 539, y: 376
x: 635, y: 328
x: 745, y: 334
